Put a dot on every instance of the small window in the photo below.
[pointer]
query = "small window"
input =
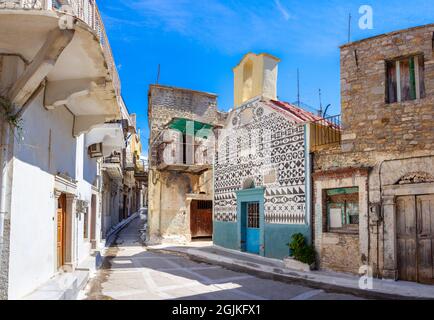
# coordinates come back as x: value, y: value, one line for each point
x: 253, y: 215
x: 405, y: 79
x: 342, y: 209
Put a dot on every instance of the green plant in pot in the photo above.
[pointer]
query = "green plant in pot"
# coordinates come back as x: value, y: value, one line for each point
x: 300, y: 251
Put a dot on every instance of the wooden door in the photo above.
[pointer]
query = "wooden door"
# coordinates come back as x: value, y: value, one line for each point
x: 61, y: 215
x: 425, y: 238
x: 93, y: 222
x: 201, y: 219
x: 415, y: 238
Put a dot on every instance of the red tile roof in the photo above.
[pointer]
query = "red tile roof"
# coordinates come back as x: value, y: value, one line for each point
x: 295, y: 113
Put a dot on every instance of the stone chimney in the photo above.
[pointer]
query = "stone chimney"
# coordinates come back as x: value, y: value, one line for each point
x: 255, y: 76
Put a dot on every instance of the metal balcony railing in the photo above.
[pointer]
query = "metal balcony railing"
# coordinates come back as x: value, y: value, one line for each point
x: 326, y: 131
x: 85, y: 10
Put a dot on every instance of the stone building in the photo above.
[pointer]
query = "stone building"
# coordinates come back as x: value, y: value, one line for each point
x: 374, y: 191
x: 180, y: 189
x: 262, y: 168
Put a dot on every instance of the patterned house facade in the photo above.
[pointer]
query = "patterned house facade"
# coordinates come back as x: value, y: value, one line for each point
x: 261, y: 173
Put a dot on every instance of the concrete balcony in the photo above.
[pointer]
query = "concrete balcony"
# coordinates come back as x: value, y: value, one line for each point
x: 112, y: 166
x: 110, y: 135
x: 62, y: 45
x: 141, y: 171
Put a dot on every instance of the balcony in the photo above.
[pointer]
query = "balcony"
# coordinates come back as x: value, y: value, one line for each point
x: 110, y: 135
x: 112, y: 166
x: 325, y: 133
x: 141, y: 171
x: 183, y: 158
x: 186, y: 146
x: 64, y: 42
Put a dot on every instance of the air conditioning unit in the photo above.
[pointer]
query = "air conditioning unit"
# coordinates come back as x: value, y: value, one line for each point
x: 95, y: 150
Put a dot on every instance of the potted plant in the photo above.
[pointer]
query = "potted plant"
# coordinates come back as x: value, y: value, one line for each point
x: 301, y: 255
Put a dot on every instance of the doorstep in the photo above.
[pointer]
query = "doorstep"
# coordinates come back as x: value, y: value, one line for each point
x: 276, y: 270
x: 63, y: 286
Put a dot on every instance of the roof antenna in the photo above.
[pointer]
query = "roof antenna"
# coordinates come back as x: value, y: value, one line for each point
x: 298, y: 87
x: 349, y: 28
x: 320, y: 104
x: 158, y: 74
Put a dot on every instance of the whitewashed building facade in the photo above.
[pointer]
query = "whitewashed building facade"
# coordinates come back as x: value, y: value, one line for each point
x: 62, y: 117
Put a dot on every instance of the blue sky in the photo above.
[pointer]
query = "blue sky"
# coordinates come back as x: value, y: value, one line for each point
x: 197, y: 42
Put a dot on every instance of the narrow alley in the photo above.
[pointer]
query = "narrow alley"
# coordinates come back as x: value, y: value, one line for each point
x: 131, y: 272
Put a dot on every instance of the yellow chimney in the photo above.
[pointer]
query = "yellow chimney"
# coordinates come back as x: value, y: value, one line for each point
x: 255, y: 76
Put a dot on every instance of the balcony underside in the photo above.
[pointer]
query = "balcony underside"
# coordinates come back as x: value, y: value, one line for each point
x: 113, y: 170
x: 185, y: 168
x: 78, y: 78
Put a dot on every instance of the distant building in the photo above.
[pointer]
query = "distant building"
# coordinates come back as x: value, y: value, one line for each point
x: 180, y: 189
x: 374, y: 192
x: 262, y: 189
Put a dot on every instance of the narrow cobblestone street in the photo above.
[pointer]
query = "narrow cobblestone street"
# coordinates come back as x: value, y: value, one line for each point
x: 132, y: 272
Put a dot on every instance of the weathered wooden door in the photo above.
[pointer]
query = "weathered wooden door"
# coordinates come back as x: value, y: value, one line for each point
x: 415, y: 238
x: 201, y: 219
x: 425, y: 238
x: 61, y: 210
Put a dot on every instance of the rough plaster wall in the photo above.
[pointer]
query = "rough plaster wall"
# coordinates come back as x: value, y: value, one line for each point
x: 341, y: 252
x: 174, y: 219
x: 270, y: 78
x: 4, y: 260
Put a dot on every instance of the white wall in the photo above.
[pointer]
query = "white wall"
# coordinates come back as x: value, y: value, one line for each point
x: 32, y: 260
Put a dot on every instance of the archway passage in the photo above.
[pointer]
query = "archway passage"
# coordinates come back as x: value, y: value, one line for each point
x: 201, y: 219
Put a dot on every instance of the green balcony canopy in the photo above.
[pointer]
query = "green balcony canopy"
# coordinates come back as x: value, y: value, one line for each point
x: 180, y: 124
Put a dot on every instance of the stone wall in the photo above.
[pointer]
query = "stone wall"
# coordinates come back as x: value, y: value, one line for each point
x: 370, y: 123
x: 340, y: 252
x: 166, y: 103
x: 391, y: 140
x: 168, y: 207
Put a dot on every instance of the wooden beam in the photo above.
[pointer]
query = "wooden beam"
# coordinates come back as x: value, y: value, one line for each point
x: 42, y: 64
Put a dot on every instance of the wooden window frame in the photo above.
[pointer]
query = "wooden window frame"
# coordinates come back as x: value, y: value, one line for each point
x: 418, y: 58
x: 346, y: 228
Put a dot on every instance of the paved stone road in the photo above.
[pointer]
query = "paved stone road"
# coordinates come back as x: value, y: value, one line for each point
x: 133, y: 273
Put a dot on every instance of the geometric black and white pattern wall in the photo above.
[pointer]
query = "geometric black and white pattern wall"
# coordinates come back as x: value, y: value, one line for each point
x: 264, y: 146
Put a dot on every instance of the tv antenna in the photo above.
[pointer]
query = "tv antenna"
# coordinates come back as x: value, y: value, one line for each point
x: 158, y: 74
x: 298, y: 87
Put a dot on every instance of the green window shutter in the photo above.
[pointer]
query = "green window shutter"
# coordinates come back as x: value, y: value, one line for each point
x: 412, y: 79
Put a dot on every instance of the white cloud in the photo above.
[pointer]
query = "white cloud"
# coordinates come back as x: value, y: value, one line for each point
x: 237, y: 26
x: 282, y: 10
